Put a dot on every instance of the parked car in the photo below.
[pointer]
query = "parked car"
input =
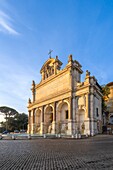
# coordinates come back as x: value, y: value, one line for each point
x: 22, y: 131
x: 5, y: 132
x: 16, y: 131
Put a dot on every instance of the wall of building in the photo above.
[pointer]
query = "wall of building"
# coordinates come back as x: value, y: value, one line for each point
x: 64, y: 91
x: 54, y: 86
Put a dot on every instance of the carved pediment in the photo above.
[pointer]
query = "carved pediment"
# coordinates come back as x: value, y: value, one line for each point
x: 47, y: 64
x: 50, y: 67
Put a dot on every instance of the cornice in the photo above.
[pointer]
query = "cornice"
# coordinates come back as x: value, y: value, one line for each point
x: 50, y: 97
x: 82, y: 87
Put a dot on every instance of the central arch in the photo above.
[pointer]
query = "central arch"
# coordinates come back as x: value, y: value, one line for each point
x: 48, y: 119
x: 62, y: 117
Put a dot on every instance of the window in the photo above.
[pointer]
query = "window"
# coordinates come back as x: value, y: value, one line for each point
x: 97, y: 112
x: 66, y: 114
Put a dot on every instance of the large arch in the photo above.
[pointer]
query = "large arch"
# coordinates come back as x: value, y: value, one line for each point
x: 48, y: 119
x: 37, y: 120
x: 62, y: 117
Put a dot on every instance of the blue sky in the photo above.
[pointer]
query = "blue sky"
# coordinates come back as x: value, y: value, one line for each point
x: 29, y: 28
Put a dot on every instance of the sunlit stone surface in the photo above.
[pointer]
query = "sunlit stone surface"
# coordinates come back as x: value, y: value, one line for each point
x: 62, y: 104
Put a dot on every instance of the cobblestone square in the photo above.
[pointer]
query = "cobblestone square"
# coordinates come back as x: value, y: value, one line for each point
x: 52, y: 154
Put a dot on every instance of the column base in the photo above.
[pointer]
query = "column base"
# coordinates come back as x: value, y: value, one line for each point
x: 33, y: 128
x: 42, y: 128
x: 87, y: 129
x: 53, y: 127
x: 69, y: 131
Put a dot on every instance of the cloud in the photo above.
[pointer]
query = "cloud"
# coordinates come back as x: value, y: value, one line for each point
x: 6, y: 24
x: 15, y: 84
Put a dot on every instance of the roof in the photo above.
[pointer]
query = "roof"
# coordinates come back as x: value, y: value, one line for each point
x: 110, y: 84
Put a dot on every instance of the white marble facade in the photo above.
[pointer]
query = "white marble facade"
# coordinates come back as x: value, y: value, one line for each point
x: 61, y: 103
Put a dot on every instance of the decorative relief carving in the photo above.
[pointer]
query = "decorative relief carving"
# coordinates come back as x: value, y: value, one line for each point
x: 70, y: 58
x: 29, y: 101
x: 50, y: 67
x: 33, y: 85
x: 87, y: 73
x: 80, y: 84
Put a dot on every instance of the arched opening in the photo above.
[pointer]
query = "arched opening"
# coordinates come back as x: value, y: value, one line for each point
x: 81, y: 118
x: 48, y: 119
x: 62, y: 118
x: 37, y: 121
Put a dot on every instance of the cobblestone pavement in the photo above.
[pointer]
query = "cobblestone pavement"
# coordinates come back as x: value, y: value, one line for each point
x: 57, y: 154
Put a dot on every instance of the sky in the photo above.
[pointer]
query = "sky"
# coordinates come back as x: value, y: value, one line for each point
x: 30, y: 28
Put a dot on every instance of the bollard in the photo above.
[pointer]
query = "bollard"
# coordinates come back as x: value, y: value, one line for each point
x: 79, y: 136
x: 44, y: 136
x: 29, y: 136
x: 72, y: 136
x: 59, y: 135
x: 92, y: 134
x: 86, y: 135
x: 13, y: 137
x: 0, y: 137
x: 76, y: 135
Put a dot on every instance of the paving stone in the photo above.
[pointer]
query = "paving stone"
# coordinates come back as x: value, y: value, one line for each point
x: 57, y: 154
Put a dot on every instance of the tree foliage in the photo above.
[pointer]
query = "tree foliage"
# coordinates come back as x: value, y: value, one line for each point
x: 14, y: 120
x: 8, y: 111
x: 105, y: 92
x: 18, y: 122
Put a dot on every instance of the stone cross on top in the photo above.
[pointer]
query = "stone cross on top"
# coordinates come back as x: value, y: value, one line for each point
x: 49, y: 53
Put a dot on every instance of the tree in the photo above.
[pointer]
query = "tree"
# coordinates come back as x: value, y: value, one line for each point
x: 8, y: 112
x: 105, y: 92
x: 19, y: 121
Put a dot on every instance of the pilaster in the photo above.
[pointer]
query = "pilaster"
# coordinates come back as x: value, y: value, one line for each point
x: 54, y: 119
x: 69, y: 131
x: 92, y: 114
x: 33, y: 121
x: 42, y: 120
x: 29, y: 122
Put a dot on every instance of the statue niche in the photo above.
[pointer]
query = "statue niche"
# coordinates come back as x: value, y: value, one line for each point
x: 49, y: 70
x: 51, y: 66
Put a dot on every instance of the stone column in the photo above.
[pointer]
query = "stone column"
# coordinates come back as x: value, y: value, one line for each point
x: 87, y: 115
x: 29, y: 123
x: 70, y: 108
x: 87, y: 106
x: 54, y: 119
x: 55, y: 70
x: 42, y: 121
x: 92, y: 114
x: 33, y: 90
x: 33, y: 121
x: 33, y: 93
x: 73, y: 115
x: 43, y: 75
x: 69, y: 132
x: 76, y: 115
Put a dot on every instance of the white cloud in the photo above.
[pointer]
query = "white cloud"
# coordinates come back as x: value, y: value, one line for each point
x: 15, y: 84
x: 6, y: 24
